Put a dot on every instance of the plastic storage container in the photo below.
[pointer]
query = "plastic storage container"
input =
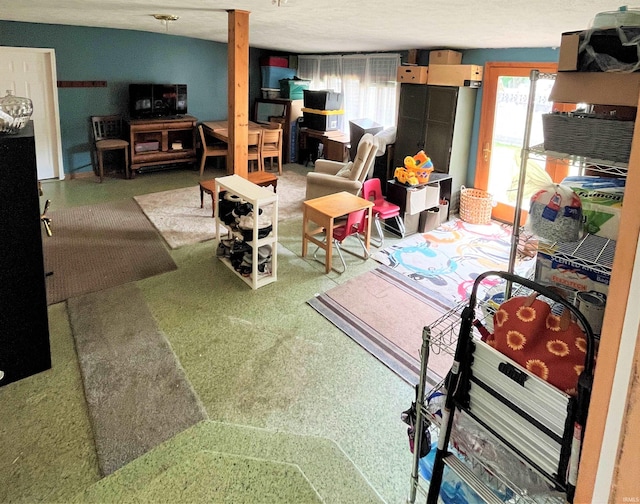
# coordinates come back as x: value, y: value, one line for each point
x: 276, y: 61
x: 271, y: 75
x: 323, y: 120
x: 270, y: 93
x: 323, y: 100
x: 293, y: 88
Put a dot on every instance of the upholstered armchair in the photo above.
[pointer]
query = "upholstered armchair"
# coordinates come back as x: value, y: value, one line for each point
x: 330, y: 177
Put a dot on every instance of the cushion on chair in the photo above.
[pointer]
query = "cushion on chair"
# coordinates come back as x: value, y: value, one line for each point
x: 345, y: 171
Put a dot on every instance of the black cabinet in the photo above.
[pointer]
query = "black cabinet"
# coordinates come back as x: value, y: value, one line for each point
x: 438, y: 120
x: 24, y: 325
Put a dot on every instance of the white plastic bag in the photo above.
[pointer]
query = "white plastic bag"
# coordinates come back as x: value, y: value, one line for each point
x: 555, y: 214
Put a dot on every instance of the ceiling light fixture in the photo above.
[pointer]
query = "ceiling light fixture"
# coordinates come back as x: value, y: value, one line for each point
x: 165, y: 19
x: 279, y: 3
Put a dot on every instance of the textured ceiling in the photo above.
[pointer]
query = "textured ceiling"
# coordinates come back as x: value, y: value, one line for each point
x: 320, y: 26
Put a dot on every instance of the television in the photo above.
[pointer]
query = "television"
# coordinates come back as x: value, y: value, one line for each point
x: 147, y: 101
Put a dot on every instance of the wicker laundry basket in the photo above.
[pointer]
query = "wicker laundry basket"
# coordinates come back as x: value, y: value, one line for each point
x: 595, y: 136
x: 475, y: 205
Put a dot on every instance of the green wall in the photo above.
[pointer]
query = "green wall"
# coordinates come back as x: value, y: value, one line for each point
x: 121, y: 57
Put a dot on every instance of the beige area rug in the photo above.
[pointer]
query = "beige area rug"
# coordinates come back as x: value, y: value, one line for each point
x: 96, y: 247
x: 177, y: 215
x: 384, y: 312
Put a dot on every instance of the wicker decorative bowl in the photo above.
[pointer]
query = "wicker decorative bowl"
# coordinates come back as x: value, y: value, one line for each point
x: 15, y: 113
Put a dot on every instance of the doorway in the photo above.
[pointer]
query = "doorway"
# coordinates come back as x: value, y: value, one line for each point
x: 31, y: 72
x: 501, y: 133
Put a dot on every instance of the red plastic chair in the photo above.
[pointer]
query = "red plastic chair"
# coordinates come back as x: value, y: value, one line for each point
x: 382, y: 209
x: 353, y: 226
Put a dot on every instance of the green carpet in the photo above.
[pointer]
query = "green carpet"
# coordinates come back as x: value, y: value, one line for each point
x: 255, y: 358
x: 215, y: 477
x: 251, y: 465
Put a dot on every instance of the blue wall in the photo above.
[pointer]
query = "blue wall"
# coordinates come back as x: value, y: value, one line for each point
x: 121, y: 57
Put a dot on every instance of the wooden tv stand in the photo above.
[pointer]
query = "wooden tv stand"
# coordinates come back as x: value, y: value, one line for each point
x: 154, y: 142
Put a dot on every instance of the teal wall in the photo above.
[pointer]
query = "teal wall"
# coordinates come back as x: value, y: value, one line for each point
x: 121, y: 57
x: 482, y: 56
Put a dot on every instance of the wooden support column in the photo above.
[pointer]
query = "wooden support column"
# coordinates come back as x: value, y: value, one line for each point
x: 238, y: 91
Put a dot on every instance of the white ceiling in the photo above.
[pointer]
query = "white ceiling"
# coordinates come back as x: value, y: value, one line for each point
x: 320, y: 26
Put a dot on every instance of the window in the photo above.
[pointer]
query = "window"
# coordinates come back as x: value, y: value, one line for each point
x: 366, y: 81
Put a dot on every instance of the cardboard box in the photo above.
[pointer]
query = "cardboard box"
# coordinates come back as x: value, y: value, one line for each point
x: 582, y: 266
x: 596, y: 88
x: 568, y: 57
x: 413, y: 74
x: 550, y: 271
x: 605, y: 43
x: 445, y: 57
x: 455, y: 75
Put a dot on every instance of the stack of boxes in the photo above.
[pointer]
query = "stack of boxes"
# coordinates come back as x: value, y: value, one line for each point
x: 444, y: 70
x: 323, y: 110
x: 272, y: 70
x: 280, y: 81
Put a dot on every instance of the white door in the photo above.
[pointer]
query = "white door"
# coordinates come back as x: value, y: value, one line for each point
x: 31, y: 73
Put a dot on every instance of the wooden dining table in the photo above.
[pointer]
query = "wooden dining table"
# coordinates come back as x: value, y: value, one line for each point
x: 220, y: 129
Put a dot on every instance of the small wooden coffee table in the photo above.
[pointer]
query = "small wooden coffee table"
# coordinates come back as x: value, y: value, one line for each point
x: 263, y: 179
x: 209, y: 187
x: 323, y: 212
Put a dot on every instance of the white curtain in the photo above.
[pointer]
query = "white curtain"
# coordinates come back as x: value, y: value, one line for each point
x: 366, y: 81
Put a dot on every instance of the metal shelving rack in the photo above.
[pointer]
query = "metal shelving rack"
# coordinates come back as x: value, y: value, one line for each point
x: 591, y: 252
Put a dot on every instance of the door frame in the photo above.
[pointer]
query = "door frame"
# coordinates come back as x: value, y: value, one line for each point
x: 53, y: 113
x: 487, y: 119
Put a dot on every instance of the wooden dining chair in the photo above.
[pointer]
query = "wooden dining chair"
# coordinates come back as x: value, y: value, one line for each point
x: 271, y: 147
x: 210, y: 148
x: 253, y: 149
x: 108, y: 136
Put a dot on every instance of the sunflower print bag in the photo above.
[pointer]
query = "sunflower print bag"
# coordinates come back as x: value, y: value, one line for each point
x: 550, y: 346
